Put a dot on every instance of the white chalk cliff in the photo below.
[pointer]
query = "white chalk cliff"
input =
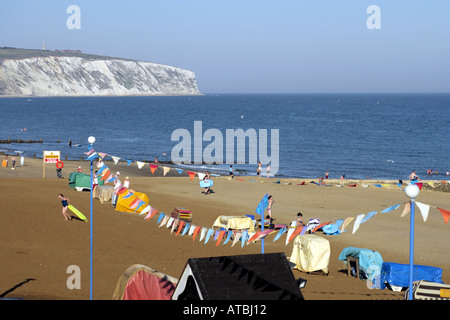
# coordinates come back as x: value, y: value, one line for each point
x: 78, y: 76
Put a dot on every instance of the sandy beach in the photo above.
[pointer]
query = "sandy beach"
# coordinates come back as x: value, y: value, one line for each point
x: 37, y: 245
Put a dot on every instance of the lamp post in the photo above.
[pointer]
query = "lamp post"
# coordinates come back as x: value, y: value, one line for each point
x: 412, y: 191
x: 91, y: 141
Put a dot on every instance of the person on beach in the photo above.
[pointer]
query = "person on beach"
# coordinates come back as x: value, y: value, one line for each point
x: 126, y: 182
x: 268, y: 170
x: 231, y: 171
x: 65, y: 203
x: 413, y: 176
x: 326, y: 175
x: 299, y: 221
x: 13, y: 159
x: 117, y: 186
x: 207, y: 177
x: 156, y: 161
x: 5, y: 162
x: 270, y: 203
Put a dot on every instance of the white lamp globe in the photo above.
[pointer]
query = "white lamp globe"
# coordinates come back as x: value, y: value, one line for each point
x: 412, y: 191
x: 91, y: 140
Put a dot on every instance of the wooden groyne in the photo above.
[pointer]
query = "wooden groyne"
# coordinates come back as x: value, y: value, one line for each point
x: 20, y: 141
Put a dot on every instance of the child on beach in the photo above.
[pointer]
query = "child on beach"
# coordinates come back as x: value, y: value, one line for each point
x: 269, y: 207
x: 231, y: 171
x: 65, y: 203
x: 299, y: 221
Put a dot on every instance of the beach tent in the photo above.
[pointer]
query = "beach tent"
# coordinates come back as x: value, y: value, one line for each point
x: 311, y: 253
x: 366, y: 257
x: 243, y: 277
x: 80, y: 181
x: 397, y: 275
x: 140, y: 282
x: 134, y: 203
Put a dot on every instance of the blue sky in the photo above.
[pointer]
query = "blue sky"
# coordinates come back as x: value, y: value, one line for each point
x: 255, y: 46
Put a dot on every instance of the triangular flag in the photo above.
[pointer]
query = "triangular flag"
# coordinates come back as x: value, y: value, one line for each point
x: 236, y: 238
x: 145, y: 210
x: 424, y: 209
x: 368, y: 216
x: 196, y: 231
x: 254, y: 237
x: 140, y: 164
x: 92, y: 156
x: 220, y: 237
x: 203, y: 233
x: 346, y: 222
x: 179, y: 170
x: 164, y: 221
x: 103, y: 167
x: 186, y: 228
x: 153, y: 168
x: 230, y: 233
x: 166, y: 170
x: 134, y: 202
x: 191, y: 174
x: 244, y: 237
x: 180, y: 226
x: 161, y: 216
x: 201, y: 176
x: 150, y: 214
x: 208, y: 235
x: 445, y: 214
x: 390, y: 208
x: 191, y: 230
x: 129, y: 162
x: 283, y: 230
x: 140, y: 204
x: 103, y: 155
x: 100, y: 164
x: 89, y: 152
x: 289, y: 233
x: 115, y: 159
x: 295, y: 233
x: 358, y: 222
x: 105, y: 175
x: 169, y: 222
x: 406, y: 210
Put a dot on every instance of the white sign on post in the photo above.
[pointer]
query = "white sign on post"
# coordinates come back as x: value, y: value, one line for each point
x: 50, y: 157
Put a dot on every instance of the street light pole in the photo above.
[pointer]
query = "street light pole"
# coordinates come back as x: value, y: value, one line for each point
x: 91, y: 141
x: 412, y: 191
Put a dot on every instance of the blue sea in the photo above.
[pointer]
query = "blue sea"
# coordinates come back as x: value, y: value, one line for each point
x: 383, y: 136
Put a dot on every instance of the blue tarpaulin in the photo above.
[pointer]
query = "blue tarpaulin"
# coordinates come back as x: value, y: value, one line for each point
x: 397, y: 274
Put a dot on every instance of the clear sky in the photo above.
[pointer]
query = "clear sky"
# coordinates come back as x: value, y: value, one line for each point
x: 255, y: 46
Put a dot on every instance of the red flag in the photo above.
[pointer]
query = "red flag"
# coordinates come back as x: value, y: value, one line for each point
x: 295, y: 233
x: 153, y: 168
x: 419, y: 184
x: 445, y: 214
x: 191, y: 174
x: 219, y: 238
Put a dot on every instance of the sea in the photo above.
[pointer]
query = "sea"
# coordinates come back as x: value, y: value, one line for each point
x: 376, y: 136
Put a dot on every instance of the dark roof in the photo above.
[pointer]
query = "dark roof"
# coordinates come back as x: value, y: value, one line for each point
x: 243, y: 277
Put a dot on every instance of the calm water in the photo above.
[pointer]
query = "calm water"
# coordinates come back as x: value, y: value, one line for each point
x: 380, y: 135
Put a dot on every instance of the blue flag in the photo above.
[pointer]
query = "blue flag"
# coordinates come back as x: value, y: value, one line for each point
x: 262, y: 205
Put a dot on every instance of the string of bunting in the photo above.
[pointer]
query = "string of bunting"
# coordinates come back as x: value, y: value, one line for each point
x: 243, y: 236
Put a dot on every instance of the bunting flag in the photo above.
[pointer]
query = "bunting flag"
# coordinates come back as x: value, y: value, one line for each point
x: 208, y: 235
x: 253, y: 237
x: 166, y: 170
x: 164, y: 221
x: 394, y: 207
x: 191, y: 175
x: 169, y: 222
x: 153, y: 168
x: 89, y: 152
x: 368, y: 216
x: 289, y: 233
x: 93, y: 156
x: 180, y: 171
x: 424, y: 209
x: 357, y: 222
x: 196, y: 231
x: 236, y: 238
x: 406, y: 210
x: 186, y: 228
x: 445, y: 214
x: 346, y: 223
x: 230, y: 233
x: 99, y: 171
x: 140, y: 164
x: 102, y: 155
x: 129, y: 162
x: 180, y: 226
x: 145, y: 210
x: 203, y: 233
x: 151, y: 213
x: 160, y: 218
x: 115, y: 159
x: 191, y: 230
x: 220, y: 237
x: 200, y: 175
x: 106, y: 175
x: 244, y: 237
x: 174, y: 225
x: 282, y: 230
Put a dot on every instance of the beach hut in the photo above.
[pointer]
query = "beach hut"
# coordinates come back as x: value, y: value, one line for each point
x: 140, y: 282
x: 243, y: 277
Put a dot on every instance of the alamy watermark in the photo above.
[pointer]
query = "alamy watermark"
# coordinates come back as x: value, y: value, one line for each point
x: 374, y: 20
x: 214, y: 152
x: 74, y: 20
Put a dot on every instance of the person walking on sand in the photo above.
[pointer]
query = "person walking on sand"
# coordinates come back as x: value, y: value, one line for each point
x: 268, y: 170
x: 270, y: 203
x: 65, y: 203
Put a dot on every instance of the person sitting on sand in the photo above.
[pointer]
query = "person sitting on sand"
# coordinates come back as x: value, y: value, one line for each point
x: 299, y: 221
x: 413, y: 176
x: 65, y: 203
